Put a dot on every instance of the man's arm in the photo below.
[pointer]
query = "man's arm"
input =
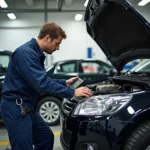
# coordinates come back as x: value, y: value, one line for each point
x: 29, y: 67
x: 60, y: 81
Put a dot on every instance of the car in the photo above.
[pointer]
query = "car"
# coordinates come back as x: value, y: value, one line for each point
x: 87, y: 69
x: 117, y: 116
x: 5, y: 56
x: 49, y: 105
x: 4, y: 60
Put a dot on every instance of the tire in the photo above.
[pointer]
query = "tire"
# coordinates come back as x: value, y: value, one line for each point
x: 140, y: 138
x: 49, y: 110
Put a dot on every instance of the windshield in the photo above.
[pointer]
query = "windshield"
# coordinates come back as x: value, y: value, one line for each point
x: 143, y: 66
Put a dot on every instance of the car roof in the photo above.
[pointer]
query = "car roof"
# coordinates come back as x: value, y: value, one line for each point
x: 85, y: 59
x: 3, y: 51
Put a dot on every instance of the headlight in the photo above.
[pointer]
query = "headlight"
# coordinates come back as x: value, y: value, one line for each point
x: 102, y: 104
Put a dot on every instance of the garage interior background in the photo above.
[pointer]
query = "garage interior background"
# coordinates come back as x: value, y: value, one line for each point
x: 31, y: 14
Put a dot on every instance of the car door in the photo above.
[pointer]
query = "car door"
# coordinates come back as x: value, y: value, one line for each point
x: 93, y: 70
x: 65, y: 70
x: 4, y: 60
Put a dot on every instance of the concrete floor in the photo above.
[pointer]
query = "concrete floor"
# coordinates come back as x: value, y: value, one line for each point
x: 4, y: 138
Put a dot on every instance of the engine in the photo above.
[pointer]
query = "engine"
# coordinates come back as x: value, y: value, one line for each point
x: 114, y: 88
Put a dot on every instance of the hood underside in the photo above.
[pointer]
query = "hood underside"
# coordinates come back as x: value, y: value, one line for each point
x: 119, y: 29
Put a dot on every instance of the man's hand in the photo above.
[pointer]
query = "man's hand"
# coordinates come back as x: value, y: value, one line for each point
x: 83, y: 91
x: 71, y: 81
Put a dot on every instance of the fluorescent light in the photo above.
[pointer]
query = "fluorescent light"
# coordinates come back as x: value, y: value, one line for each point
x: 3, y: 4
x: 78, y: 17
x: 143, y: 2
x: 11, y: 16
x: 86, y: 3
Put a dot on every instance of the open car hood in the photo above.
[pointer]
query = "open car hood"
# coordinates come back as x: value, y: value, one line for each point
x: 119, y: 29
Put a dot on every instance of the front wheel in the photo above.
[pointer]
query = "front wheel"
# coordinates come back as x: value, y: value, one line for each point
x: 49, y: 110
x: 140, y: 138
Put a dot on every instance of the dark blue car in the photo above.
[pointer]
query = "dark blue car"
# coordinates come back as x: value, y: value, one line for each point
x: 117, y: 116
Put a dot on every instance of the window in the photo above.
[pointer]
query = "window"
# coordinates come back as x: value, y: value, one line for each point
x: 143, y: 66
x: 4, y: 60
x: 90, y: 67
x: 67, y: 67
x: 94, y: 67
x: 105, y: 68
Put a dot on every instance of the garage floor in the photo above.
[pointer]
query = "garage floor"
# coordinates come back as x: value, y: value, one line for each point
x: 4, y: 138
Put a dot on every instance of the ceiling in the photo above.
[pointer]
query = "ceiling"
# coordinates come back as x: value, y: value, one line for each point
x: 143, y: 8
x: 44, y: 5
x: 18, y: 6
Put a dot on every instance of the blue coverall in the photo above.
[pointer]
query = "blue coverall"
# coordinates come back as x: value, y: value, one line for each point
x: 26, y: 78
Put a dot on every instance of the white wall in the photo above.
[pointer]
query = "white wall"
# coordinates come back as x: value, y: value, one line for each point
x: 13, y: 34
x: 75, y: 46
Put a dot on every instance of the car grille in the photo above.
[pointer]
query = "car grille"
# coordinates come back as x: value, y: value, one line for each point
x: 70, y: 104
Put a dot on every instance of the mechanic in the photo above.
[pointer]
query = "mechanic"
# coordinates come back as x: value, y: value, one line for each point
x: 25, y: 80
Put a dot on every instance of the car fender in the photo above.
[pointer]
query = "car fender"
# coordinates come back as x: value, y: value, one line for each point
x: 131, y: 125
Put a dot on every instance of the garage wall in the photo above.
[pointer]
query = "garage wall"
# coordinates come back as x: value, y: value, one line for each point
x: 75, y: 46
x: 13, y: 33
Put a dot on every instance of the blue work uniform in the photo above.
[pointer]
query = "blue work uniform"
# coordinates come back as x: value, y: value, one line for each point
x: 26, y: 78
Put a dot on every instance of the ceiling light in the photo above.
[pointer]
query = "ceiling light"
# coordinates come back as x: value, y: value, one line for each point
x: 86, y: 3
x: 3, y: 4
x: 78, y: 17
x: 11, y: 16
x: 143, y: 2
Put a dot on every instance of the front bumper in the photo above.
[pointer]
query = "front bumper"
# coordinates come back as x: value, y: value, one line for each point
x: 80, y: 132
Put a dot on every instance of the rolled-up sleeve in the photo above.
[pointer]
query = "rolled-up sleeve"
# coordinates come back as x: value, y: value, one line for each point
x: 30, y: 68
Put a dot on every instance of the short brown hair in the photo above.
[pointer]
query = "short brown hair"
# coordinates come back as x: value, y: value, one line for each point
x: 51, y: 29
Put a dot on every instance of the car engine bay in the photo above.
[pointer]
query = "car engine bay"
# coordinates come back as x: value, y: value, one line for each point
x: 120, y: 84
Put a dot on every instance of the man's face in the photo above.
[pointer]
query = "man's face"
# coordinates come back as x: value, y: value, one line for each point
x: 52, y: 45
